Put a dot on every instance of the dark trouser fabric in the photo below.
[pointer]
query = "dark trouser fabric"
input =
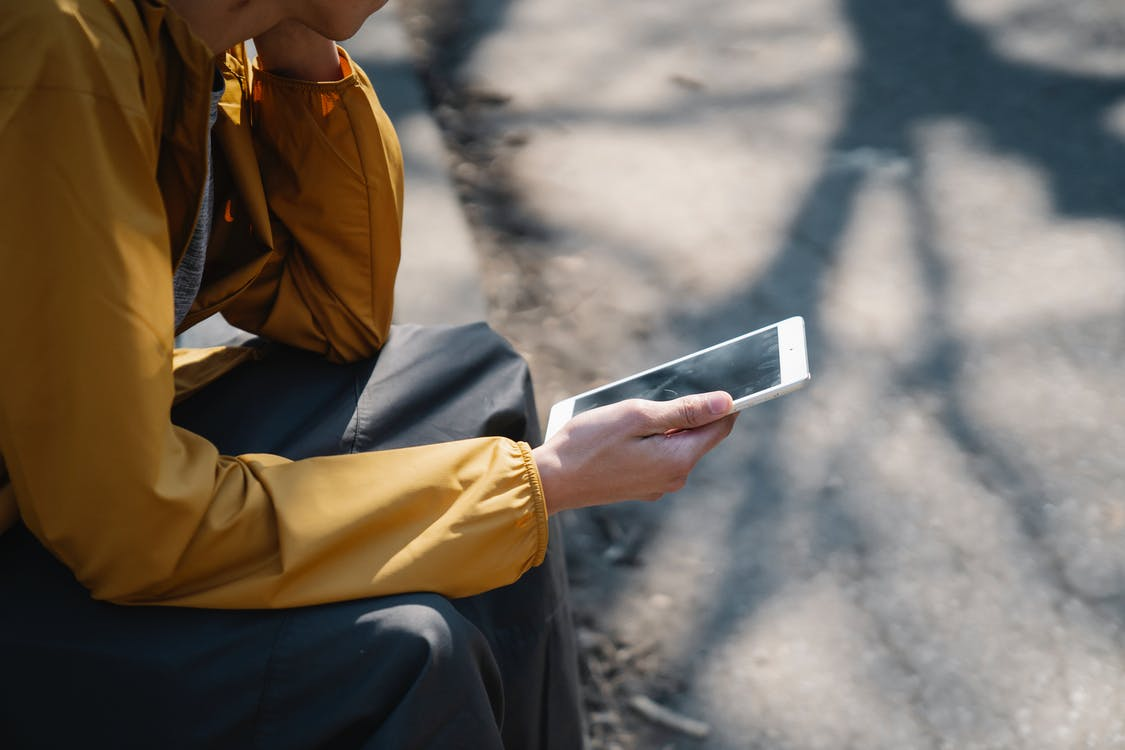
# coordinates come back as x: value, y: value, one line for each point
x: 412, y: 671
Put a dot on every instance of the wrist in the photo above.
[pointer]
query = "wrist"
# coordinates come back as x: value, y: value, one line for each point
x: 547, y: 465
x: 293, y: 50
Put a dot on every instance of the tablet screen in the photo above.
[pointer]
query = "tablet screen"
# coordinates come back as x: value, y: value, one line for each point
x: 740, y: 367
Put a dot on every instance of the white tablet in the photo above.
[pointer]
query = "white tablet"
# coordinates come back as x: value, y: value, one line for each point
x: 752, y: 368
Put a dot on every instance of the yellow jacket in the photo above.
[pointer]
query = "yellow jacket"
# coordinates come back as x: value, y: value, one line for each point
x: 103, y: 115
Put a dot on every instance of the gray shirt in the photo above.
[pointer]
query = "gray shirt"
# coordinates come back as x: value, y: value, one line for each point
x: 189, y: 274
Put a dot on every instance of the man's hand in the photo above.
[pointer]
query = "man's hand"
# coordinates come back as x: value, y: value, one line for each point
x: 293, y: 50
x: 633, y: 450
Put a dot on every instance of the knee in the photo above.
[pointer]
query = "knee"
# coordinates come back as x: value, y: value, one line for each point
x: 491, y: 348
x: 428, y: 626
x: 434, y: 642
x: 403, y: 671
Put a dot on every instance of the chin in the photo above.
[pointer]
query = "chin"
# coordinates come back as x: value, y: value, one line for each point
x: 340, y: 30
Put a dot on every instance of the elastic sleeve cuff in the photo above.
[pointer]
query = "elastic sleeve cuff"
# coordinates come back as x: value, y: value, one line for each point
x: 538, y: 502
x: 349, y: 78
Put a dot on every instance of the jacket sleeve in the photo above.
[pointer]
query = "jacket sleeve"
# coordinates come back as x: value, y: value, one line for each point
x: 140, y: 510
x: 331, y: 173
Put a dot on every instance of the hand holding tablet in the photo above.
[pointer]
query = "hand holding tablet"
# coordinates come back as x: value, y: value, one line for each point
x: 752, y: 368
x: 640, y: 437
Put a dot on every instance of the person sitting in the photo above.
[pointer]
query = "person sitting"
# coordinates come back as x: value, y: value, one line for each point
x: 333, y: 532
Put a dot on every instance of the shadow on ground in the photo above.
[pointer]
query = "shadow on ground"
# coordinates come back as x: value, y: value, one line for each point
x: 1053, y: 120
x: 917, y: 63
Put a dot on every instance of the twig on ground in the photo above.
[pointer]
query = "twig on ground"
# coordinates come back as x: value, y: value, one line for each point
x: 668, y: 718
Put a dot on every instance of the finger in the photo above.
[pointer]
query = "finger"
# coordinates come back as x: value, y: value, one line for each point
x: 696, y: 442
x: 676, y: 455
x: 689, y: 412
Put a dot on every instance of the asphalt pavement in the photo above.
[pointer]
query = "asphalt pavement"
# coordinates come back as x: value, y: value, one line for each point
x: 926, y: 547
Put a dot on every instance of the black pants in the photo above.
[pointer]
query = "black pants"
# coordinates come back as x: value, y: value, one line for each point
x: 410, y: 671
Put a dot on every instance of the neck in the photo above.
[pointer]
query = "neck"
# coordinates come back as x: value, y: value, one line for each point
x: 221, y: 24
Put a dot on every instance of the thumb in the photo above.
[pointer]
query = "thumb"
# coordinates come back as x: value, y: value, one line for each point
x: 693, y: 411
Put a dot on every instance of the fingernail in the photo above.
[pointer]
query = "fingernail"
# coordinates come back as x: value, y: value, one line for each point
x: 718, y: 404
